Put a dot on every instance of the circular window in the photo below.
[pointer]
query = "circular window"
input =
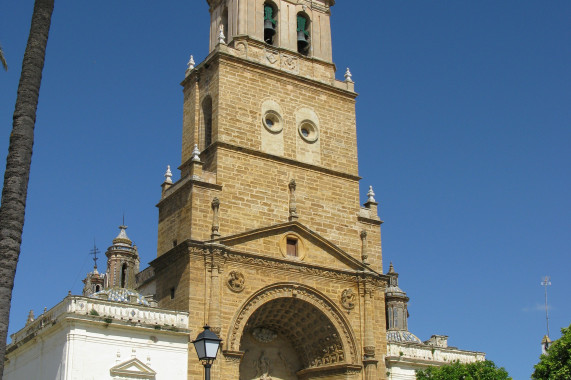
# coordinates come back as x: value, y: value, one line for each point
x: 272, y: 121
x: 308, y: 131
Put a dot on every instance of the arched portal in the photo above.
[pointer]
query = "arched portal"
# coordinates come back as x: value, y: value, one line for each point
x: 289, y: 332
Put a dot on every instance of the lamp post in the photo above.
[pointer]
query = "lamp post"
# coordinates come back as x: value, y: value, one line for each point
x: 206, y: 345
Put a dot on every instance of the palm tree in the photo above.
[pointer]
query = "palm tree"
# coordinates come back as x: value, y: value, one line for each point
x: 14, y: 192
x: 2, y: 59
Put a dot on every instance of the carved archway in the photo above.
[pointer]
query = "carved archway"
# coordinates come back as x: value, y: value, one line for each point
x: 293, y: 306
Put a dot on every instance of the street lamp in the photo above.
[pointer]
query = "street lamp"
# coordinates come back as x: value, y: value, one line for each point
x: 206, y: 345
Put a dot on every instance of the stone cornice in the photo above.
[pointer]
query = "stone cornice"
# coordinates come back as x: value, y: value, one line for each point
x: 309, y: 373
x: 300, y: 228
x: 285, y: 160
x: 174, y: 254
x: 422, y: 354
x: 185, y: 182
x: 221, y: 52
x: 93, y: 311
x: 375, y: 222
x: 199, y: 248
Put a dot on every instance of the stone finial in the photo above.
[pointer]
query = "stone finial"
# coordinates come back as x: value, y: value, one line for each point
x: 31, y: 317
x: 221, y: 36
x: 196, y: 154
x: 371, y: 195
x: 348, y: 76
x: 168, y: 175
x: 190, y: 64
x: 292, y: 202
x: 391, y: 268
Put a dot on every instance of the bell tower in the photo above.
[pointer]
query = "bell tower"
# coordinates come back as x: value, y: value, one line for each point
x: 301, y: 26
x: 263, y: 236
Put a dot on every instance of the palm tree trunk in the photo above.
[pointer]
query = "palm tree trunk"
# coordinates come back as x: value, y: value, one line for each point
x: 18, y: 162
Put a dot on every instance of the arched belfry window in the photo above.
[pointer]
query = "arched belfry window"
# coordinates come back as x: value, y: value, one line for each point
x: 207, y: 122
x: 270, y: 23
x: 303, y: 37
x: 123, y: 275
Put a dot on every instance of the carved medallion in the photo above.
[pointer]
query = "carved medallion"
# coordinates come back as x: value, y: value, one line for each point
x: 348, y: 299
x: 289, y: 62
x: 236, y: 281
x: 242, y: 49
x: 263, y: 335
x: 271, y: 57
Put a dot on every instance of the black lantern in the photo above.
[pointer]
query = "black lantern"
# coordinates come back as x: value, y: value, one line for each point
x: 206, y: 345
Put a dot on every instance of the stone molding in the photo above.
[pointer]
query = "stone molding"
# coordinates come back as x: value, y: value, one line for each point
x: 194, y: 248
x: 94, y: 310
x: 233, y: 356
x: 281, y: 159
x: 184, y: 182
x: 241, y: 52
x: 295, y: 227
x: 421, y: 354
x: 310, y: 373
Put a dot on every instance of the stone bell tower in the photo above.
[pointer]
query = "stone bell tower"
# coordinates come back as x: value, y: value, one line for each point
x: 263, y: 236
x: 122, y: 262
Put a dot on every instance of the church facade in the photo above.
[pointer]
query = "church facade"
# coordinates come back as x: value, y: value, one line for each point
x: 263, y: 237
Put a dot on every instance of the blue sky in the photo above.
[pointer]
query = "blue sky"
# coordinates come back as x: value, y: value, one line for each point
x: 464, y: 128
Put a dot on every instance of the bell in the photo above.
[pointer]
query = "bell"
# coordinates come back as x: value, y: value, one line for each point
x: 302, y: 42
x: 269, y: 31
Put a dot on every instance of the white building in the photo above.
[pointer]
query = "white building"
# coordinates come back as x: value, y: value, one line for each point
x: 405, y: 352
x: 112, y: 334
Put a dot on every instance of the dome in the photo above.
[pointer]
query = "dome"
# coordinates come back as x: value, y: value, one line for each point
x: 122, y: 239
x: 121, y: 295
x: 400, y: 336
x: 394, y: 290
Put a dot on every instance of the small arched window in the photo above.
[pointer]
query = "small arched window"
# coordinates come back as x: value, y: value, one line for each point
x: 303, y: 36
x: 97, y: 288
x: 270, y: 23
x: 124, y: 275
x: 390, y: 318
x: 207, y: 120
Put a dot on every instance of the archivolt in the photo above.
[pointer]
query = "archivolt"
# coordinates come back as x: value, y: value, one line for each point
x: 296, y: 291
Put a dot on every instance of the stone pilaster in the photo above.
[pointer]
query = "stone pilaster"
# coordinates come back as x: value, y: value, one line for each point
x: 215, y: 218
x: 232, y: 360
x: 369, y: 361
x: 215, y: 266
x: 364, y: 248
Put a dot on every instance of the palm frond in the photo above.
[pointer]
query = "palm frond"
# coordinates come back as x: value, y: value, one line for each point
x: 2, y: 59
